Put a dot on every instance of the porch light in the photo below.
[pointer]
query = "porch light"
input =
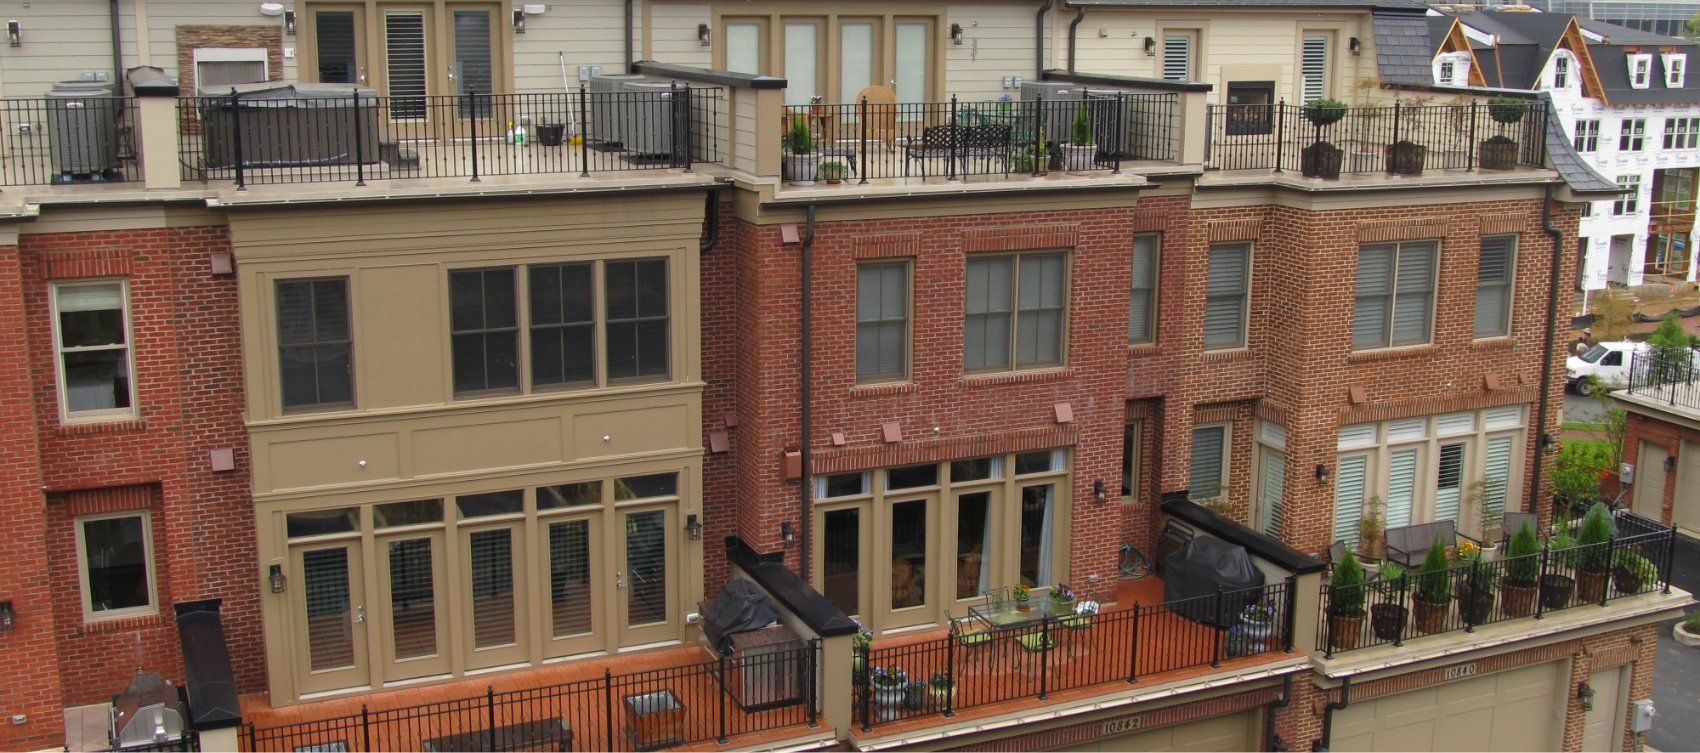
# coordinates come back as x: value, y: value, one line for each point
x: 1355, y: 46
x: 271, y: 10
x: 289, y: 23
x: 1670, y: 463
x: 7, y: 616
x: 1322, y: 473
x: 703, y: 34
x: 1585, y: 693
x: 693, y: 527
x: 1099, y: 492
x: 519, y: 22
x: 1151, y: 45
x: 787, y: 532
x: 276, y: 579
x: 956, y: 34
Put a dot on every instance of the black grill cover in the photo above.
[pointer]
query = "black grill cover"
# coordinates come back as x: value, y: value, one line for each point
x: 741, y: 607
x: 1205, y: 566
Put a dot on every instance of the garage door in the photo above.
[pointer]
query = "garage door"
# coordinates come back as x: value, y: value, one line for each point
x: 1685, y: 509
x: 1519, y: 709
x: 1236, y: 732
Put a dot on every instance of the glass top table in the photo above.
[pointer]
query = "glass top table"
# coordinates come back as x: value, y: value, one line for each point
x: 1005, y: 616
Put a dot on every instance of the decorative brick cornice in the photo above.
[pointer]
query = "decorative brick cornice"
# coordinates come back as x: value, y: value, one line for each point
x: 1178, y: 713
x: 1501, y: 224
x: 101, y: 427
x: 65, y: 265
x: 1220, y: 356
x: 1361, y: 414
x: 1019, y: 238
x: 107, y: 499
x: 935, y: 450
x: 1222, y: 231
x: 886, y: 245
x: 1390, y: 354
x: 1616, y: 656
x: 1377, y: 231
x: 877, y: 390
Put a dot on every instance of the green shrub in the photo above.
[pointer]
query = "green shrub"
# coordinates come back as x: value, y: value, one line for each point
x: 1595, y: 539
x: 1482, y: 578
x: 833, y: 170
x: 1639, y: 567
x: 1561, y: 550
x: 1523, y: 563
x: 1507, y: 110
x: 1692, y: 623
x: 801, y: 140
x: 1577, y: 469
x: 1434, y: 578
x: 1346, y: 592
x: 1080, y: 133
x: 1321, y: 112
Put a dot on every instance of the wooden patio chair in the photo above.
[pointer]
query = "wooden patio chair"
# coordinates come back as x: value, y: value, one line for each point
x: 882, y: 113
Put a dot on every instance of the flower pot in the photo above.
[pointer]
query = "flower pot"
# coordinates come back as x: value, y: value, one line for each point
x: 1078, y: 159
x: 1430, y: 615
x: 1628, y: 581
x: 1517, y: 601
x: 1321, y: 160
x: 1497, y: 153
x: 800, y: 169
x: 1061, y: 608
x: 1680, y: 633
x: 551, y: 134
x: 1591, y: 584
x: 890, y: 700
x: 915, y: 696
x: 942, y: 697
x: 1406, y: 158
x: 1476, y: 608
x: 1234, y: 644
x: 1388, y: 621
x: 1258, y: 631
x: 1023, y: 606
x: 1345, y: 630
x: 1555, y: 591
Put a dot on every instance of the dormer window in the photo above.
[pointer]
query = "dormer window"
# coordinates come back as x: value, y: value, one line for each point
x: 1448, y: 69
x: 1452, y: 69
x: 1676, y: 70
x: 1561, y: 72
x: 1640, y: 70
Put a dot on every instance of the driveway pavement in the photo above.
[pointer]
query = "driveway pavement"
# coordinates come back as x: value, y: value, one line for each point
x: 1676, y: 678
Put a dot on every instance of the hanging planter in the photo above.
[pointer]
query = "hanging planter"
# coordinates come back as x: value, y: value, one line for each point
x: 1500, y: 152
x: 1322, y: 159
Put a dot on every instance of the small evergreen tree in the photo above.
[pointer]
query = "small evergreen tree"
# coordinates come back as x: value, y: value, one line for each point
x: 1434, y: 578
x: 1523, y: 566
x: 1346, y: 594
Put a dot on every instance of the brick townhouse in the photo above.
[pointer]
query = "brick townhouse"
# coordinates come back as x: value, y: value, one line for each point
x: 458, y: 355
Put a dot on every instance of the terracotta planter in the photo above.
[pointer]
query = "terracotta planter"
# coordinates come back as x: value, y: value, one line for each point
x: 1321, y: 160
x: 1345, y: 630
x: 1591, y: 584
x: 1388, y: 621
x: 1517, y: 601
x: 1627, y: 581
x: 1475, y: 609
x: 1430, y: 615
x: 1497, y: 153
x: 1556, y: 590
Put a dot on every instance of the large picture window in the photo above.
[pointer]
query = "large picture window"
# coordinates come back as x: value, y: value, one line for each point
x: 315, y: 349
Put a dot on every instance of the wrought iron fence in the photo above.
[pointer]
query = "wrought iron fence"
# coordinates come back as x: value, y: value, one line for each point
x: 700, y: 703
x: 254, y: 139
x: 68, y: 139
x: 1398, y: 139
x: 1468, y: 595
x: 976, y: 664
x: 1667, y: 377
x: 956, y: 139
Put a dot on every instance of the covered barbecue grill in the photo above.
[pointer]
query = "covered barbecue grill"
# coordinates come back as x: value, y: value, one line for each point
x: 1205, y: 567
x: 767, y: 670
x: 148, y: 715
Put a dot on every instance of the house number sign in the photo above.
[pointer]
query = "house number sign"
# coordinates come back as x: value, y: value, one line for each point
x: 1119, y: 726
x: 1461, y: 670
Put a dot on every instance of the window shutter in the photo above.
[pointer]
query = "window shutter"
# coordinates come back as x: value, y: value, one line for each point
x: 1375, y: 283
x: 1357, y: 435
x: 404, y: 36
x: 1349, y: 492
x: 1314, y: 68
x: 1497, y: 476
x: 1450, y: 486
x: 1177, y: 57
x: 1224, y: 311
x: 1415, y: 289
x: 1505, y: 417
x: 1455, y: 423
x: 1401, y: 487
x: 1207, y: 453
x: 1274, y: 491
x: 1493, y: 286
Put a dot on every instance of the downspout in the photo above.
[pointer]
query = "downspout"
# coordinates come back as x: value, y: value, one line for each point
x: 1553, y: 287
x: 117, y: 50
x: 1328, y: 715
x: 630, y: 58
x: 1039, y: 39
x: 710, y: 222
x: 807, y: 526
x: 1272, y: 741
x: 1079, y: 15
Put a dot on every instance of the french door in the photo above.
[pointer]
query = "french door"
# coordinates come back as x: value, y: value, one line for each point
x: 329, y: 616
x: 907, y: 595
x: 843, y: 555
x: 575, y: 610
x: 493, y: 624
x: 646, y: 582
x: 410, y: 610
x: 976, y: 561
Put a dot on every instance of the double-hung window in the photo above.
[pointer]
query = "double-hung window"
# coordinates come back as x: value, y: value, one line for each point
x: 1587, y: 136
x: 1227, y: 295
x: 1494, y: 275
x: 882, y: 321
x: 637, y: 319
x: 1395, y: 296
x: 1015, y: 311
x: 484, y: 324
x: 115, y: 565
x: 1633, y: 136
x: 1142, y: 304
x: 314, y: 348
x: 91, y: 334
x: 1560, y: 71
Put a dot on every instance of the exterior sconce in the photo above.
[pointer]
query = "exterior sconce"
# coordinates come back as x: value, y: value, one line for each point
x: 15, y: 33
x: 1322, y: 473
x: 787, y: 532
x: 703, y: 34
x: 693, y: 526
x: 1151, y: 45
x: 289, y: 23
x: 8, y: 618
x: 1670, y: 463
x: 519, y: 22
x: 956, y: 34
x: 1099, y: 492
x: 1357, y: 47
x: 276, y: 579
x: 1585, y: 694
x: 1549, y: 443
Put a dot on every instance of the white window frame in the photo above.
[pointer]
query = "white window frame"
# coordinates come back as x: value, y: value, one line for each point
x: 1560, y: 70
x: 1379, y: 453
x: 85, y: 596
x: 1640, y: 71
x: 1632, y: 135
x: 1681, y: 133
x: 1587, y: 138
x: 232, y: 55
x: 59, y: 351
x: 1448, y: 69
x: 1627, y: 203
x: 1676, y: 70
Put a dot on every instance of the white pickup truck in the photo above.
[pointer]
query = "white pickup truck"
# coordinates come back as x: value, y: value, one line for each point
x: 1608, y: 361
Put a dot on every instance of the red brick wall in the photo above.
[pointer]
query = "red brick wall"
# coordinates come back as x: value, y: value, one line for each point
x: 1640, y: 428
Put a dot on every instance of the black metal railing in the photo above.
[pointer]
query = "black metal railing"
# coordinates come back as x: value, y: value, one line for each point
x: 1399, y: 139
x: 252, y: 139
x: 958, y: 139
x: 708, y: 702
x: 1469, y: 594
x: 976, y: 665
x: 67, y: 140
x: 1667, y: 377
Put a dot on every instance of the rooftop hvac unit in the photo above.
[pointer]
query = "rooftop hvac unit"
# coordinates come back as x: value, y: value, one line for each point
x: 646, y: 118
x: 604, y: 93
x: 82, y: 126
x: 1055, y: 113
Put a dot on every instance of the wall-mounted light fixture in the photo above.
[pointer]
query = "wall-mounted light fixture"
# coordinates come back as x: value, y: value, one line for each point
x: 1356, y: 46
x: 1549, y: 443
x: 519, y: 22
x: 276, y: 579
x: 956, y: 33
x: 787, y: 532
x: 1151, y: 45
x: 693, y: 526
x: 1670, y: 463
x: 271, y: 10
x: 1585, y: 694
x: 1099, y: 491
x: 8, y: 618
x: 704, y: 36
x: 1322, y: 473
x: 289, y: 23
x: 15, y: 33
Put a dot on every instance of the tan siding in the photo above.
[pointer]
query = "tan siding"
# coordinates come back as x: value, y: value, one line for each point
x: 62, y: 39
x: 997, y: 41
x: 164, y: 16
x: 587, y: 32
x: 673, y: 34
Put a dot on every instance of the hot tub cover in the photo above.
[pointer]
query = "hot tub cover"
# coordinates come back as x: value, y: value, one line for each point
x: 741, y: 607
x: 1204, y: 567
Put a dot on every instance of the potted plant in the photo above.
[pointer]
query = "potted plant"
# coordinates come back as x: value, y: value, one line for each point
x: 1434, y: 590
x: 1387, y: 618
x: 890, y: 685
x: 1593, y: 560
x: 1023, y: 596
x: 1557, y: 587
x: 1476, y: 589
x: 1259, y: 623
x: 1490, y: 519
x: 1062, y: 600
x: 1023, y: 161
x: 1522, y: 572
x: 1405, y: 157
x: 1081, y: 147
x: 833, y: 172
x: 915, y: 695
x: 942, y: 688
x: 1633, y: 572
x: 1687, y: 631
x: 861, y: 643
x: 1234, y: 642
x: 800, y: 158
x: 1346, y: 603
x: 1370, y: 528
x: 1499, y: 152
x: 1322, y: 159
x: 1053, y: 155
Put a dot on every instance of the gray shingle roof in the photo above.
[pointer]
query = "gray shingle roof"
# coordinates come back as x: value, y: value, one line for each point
x: 1526, y: 41
x: 1576, y: 172
x: 1403, y: 52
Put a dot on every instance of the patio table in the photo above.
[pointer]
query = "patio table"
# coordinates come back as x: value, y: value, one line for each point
x: 1004, y: 617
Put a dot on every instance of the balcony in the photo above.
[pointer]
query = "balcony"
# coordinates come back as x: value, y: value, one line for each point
x: 1372, y: 143
x: 1664, y: 382
x: 1522, y: 593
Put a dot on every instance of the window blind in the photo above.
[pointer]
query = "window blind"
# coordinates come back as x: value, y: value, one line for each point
x: 1177, y: 57
x: 1350, y: 483
x: 1401, y: 487
x: 1224, y: 308
x: 1314, y: 68
x: 1274, y: 491
x: 1207, y: 453
x: 1496, y: 473
x: 1493, y: 286
x: 1141, y: 313
x: 404, y: 49
x: 882, y: 321
x: 1450, y: 482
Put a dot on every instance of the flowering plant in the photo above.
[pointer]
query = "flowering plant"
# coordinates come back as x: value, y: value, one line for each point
x: 1086, y: 607
x: 1258, y: 614
x: 1020, y: 592
x: 889, y: 677
x: 940, y: 680
x: 1469, y: 551
x: 1061, y: 592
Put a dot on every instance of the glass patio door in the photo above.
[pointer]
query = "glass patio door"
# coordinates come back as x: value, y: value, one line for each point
x: 410, y: 609
x: 494, y: 620
x: 329, y: 614
x: 336, y: 37
x: 474, y: 40
x: 573, y: 558
x: 407, y: 61
x: 908, y: 593
x: 841, y: 556
x: 975, y: 566
x: 647, y: 575
x: 1450, y: 471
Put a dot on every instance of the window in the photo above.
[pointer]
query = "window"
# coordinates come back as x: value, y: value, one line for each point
x: 1178, y: 50
x: 563, y: 324
x: 1015, y: 310
x: 1676, y: 69
x: 314, y: 350
x: 1628, y: 203
x: 1209, y: 462
x: 1227, y: 294
x: 803, y: 62
x: 1395, y: 298
x: 1682, y: 133
x: 1493, y: 285
x: 221, y: 68
x: 1448, y: 71
x: 115, y: 562
x: 1634, y: 133
x: 1251, y: 107
x: 1640, y: 68
x: 1142, y: 305
x: 882, y: 321
x: 744, y: 47
x: 1587, y: 136
x: 1560, y: 71
x: 1130, y: 460
x: 91, y: 323
x: 1428, y: 468
x: 636, y: 329
x: 1313, y: 67
x: 336, y: 41
x: 484, y: 329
